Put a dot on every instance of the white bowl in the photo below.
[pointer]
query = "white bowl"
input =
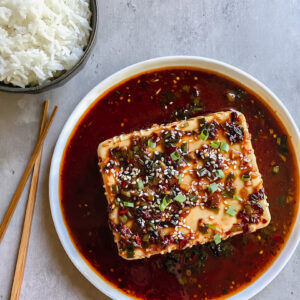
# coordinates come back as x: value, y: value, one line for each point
x: 174, y: 61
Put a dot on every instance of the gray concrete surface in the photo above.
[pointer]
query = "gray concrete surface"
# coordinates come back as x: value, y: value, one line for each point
x: 261, y: 37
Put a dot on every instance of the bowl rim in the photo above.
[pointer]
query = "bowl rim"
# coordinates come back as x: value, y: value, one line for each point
x: 202, y: 63
x: 62, y: 79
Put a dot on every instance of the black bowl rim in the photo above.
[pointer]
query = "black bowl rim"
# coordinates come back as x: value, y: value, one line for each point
x: 61, y: 80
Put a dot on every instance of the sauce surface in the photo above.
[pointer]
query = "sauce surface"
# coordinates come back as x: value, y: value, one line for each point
x: 202, y: 272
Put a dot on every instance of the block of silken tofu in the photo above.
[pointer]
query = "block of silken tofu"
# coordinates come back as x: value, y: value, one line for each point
x: 173, y: 186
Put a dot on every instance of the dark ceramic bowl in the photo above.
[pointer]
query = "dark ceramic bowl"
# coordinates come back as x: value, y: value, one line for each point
x: 64, y: 77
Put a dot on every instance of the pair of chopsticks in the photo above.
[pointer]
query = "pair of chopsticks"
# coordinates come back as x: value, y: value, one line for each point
x: 33, y: 164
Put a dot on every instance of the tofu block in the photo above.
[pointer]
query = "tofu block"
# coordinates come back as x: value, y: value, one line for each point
x: 190, y: 182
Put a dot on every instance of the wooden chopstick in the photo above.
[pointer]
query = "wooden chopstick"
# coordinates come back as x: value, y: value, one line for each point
x: 16, y: 196
x: 22, y: 254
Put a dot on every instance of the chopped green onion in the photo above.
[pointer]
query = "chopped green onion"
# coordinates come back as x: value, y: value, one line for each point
x: 246, y: 177
x: 203, y: 229
x: 283, y: 145
x: 128, y: 204
x: 278, y: 140
x: 230, y: 178
x: 130, y: 251
x: 217, y: 239
x: 214, y: 210
x: 204, y: 135
x: 175, y: 155
x: 180, y: 178
x: 215, y: 144
x: 140, y: 184
x: 130, y: 154
x: 146, y: 237
x: 151, y: 144
x: 282, y: 200
x: 163, y: 205
x: 123, y: 219
x: 231, y: 211
x: 185, y: 148
x: 275, y: 169
x: 228, y: 194
x: 213, y: 187
x: 211, y: 227
x: 198, y: 108
x: 180, y: 198
x: 224, y: 147
x: 201, y: 121
x: 115, y: 189
x: 193, y: 197
x: 186, y: 88
x: 235, y: 197
x: 220, y: 173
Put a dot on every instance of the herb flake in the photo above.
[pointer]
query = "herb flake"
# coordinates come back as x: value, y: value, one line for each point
x: 180, y: 198
x: 213, y: 187
x: 231, y: 211
x: 217, y: 239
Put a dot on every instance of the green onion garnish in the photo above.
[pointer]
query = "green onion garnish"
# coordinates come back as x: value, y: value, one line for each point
x: 193, y: 197
x: 186, y: 88
x: 123, y: 219
x: 202, y: 229
x: 282, y: 200
x: 130, y: 251
x: 163, y: 205
x: 215, y: 144
x: 211, y: 227
x: 217, y: 239
x: 115, y: 189
x: 151, y: 144
x: 231, y: 211
x: 185, y: 148
x: 235, y: 197
x: 246, y: 177
x: 140, y: 184
x: 224, y: 147
x: 275, y: 169
x: 175, y: 155
x: 128, y: 204
x: 213, y: 187
x: 146, y: 237
x: 180, y: 178
x: 278, y: 141
x: 180, y: 198
x: 220, y: 173
x: 204, y: 135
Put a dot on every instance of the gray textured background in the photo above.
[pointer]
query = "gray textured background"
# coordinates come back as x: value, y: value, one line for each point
x: 261, y: 37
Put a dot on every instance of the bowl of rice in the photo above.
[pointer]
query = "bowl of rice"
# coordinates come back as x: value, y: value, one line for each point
x: 44, y: 43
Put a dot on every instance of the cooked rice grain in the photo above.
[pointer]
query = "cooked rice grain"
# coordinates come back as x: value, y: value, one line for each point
x: 40, y: 38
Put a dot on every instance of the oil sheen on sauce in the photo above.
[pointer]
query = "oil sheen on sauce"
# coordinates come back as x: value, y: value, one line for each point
x: 202, y: 272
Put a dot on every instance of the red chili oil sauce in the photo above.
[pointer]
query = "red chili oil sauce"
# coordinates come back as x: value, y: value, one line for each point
x: 202, y: 272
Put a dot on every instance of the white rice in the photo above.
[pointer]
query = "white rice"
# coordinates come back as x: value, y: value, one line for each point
x: 41, y: 38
